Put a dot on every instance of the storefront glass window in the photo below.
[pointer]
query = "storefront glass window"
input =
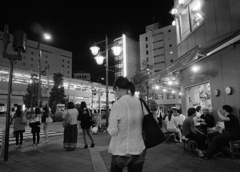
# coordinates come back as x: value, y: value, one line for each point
x: 170, y: 96
x: 199, y: 95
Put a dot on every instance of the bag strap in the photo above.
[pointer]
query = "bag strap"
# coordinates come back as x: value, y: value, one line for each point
x: 141, y: 106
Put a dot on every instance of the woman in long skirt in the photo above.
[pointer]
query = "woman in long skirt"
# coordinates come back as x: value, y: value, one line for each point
x: 70, y: 131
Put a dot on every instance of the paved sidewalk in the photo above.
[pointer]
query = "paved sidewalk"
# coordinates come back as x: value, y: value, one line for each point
x: 53, y: 158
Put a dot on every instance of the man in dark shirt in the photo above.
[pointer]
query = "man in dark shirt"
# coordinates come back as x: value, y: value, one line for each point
x: 191, y: 132
x: 231, y: 133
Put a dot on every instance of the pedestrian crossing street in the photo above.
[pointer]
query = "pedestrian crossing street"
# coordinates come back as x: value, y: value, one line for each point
x: 28, y: 135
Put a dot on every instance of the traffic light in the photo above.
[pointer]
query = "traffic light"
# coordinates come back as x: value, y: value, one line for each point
x: 19, y: 41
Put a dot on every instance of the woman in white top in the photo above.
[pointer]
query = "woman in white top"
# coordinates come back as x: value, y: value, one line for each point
x: 125, y: 127
x: 71, y: 131
x: 172, y: 123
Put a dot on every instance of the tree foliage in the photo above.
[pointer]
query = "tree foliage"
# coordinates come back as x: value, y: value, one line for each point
x: 32, y: 90
x: 57, y: 93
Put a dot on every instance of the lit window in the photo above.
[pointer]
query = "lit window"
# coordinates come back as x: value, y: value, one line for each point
x: 184, y: 23
x: 196, y: 14
x: 190, y: 18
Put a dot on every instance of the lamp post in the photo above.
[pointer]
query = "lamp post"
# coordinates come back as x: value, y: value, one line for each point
x: 32, y: 82
x: 45, y: 37
x: 99, y: 99
x: 147, y: 85
x: 95, y: 51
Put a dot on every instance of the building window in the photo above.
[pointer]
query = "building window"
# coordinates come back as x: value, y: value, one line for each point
x: 32, y: 59
x: 62, y: 65
x: 68, y: 71
x: 46, y: 62
x: 46, y: 56
x: 24, y: 57
x: 24, y: 64
x: 170, y: 96
x: 68, y: 67
x: 32, y: 65
x: 171, y: 60
x: 170, y: 45
x: 146, y: 45
x: 196, y: 13
x: 146, y: 52
x: 62, y: 60
x: 190, y: 18
x: 146, y: 38
x: 68, y: 62
x: 169, y: 30
x: 32, y: 53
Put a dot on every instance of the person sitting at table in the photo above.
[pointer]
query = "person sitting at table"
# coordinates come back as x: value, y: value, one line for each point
x: 191, y: 132
x: 206, y: 120
x: 231, y: 132
x: 196, y: 118
x: 181, y: 118
x: 172, y: 121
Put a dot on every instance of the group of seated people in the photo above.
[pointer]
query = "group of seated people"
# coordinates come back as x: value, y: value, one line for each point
x: 199, y: 125
x: 216, y: 136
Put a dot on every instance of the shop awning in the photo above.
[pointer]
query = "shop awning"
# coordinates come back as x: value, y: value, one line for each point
x: 177, y: 64
x: 199, y: 52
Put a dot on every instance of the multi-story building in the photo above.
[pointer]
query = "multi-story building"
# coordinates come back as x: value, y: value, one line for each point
x: 128, y: 62
x: 207, y: 68
x: 83, y: 76
x: 53, y: 60
x: 158, y: 48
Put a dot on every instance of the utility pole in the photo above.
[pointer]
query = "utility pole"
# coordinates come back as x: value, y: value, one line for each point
x: 19, y: 46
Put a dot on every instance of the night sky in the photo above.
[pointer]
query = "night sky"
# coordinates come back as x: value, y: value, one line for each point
x: 76, y: 24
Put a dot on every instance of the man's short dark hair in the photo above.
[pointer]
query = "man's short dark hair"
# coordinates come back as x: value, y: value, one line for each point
x: 198, y: 108
x: 227, y: 108
x: 191, y: 111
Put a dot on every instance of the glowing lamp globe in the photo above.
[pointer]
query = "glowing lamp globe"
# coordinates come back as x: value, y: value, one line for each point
x: 117, y: 50
x: 47, y: 36
x: 94, y: 50
x: 99, y: 59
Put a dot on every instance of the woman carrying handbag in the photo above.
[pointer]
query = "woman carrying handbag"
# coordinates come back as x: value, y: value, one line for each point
x: 45, y: 115
x: 34, y: 123
x: 70, y: 130
x: 18, y: 125
x: 85, y: 116
x: 125, y: 128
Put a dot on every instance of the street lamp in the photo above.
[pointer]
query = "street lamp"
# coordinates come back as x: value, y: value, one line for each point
x: 46, y: 36
x: 95, y: 51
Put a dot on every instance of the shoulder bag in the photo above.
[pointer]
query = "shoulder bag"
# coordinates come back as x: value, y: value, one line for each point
x: 24, y: 119
x: 91, y: 120
x: 49, y: 119
x: 151, y: 132
x: 66, y: 120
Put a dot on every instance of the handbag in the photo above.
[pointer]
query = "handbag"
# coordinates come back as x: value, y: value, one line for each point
x: 66, y: 120
x: 151, y: 132
x: 24, y: 119
x: 90, y: 118
x: 49, y: 119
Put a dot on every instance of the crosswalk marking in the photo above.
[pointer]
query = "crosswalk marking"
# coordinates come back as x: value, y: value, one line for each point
x: 27, y: 134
